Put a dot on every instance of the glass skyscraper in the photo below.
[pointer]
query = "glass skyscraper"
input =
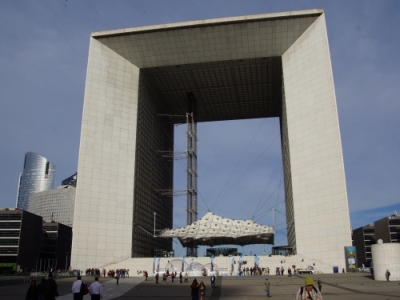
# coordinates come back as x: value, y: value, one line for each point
x: 37, y: 176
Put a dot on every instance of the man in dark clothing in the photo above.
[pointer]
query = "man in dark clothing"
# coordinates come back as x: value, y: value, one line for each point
x: 31, y: 294
x: 212, y: 281
x: 50, y: 288
x: 40, y: 289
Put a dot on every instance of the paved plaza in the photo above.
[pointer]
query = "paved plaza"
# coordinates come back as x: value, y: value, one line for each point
x: 335, y: 286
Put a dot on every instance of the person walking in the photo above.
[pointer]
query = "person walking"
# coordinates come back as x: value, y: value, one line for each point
x: 202, y: 289
x: 212, y: 281
x: 387, y: 275
x: 308, y: 291
x: 194, y: 290
x: 117, y: 276
x: 96, y: 290
x: 76, y: 289
x: 50, y: 288
x: 319, y: 282
x: 156, y: 277
x: 267, y: 286
x: 40, y: 289
x: 31, y: 293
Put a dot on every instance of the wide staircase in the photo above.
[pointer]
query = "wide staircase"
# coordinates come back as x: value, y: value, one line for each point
x: 136, y: 266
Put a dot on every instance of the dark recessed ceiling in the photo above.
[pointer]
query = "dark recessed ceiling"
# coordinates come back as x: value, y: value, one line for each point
x: 226, y: 90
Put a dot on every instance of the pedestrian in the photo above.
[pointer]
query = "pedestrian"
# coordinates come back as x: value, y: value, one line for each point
x: 387, y: 274
x: 40, y: 289
x: 156, y: 277
x: 96, y: 290
x: 267, y: 286
x: 31, y: 293
x: 308, y: 291
x: 202, y: 289
x: 76, y: 288
x: 319, y: 282
x: 117, y: 276
x: 194, y: 290
x: 50, y: 288
x: 212, y: 281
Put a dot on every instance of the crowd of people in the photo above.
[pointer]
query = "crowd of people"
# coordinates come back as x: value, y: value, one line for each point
x: 45, y: 290
x: 94, y: 272
x: 120, y: 272
x: 257, y: 271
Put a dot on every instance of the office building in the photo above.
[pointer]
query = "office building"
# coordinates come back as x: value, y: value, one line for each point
x: 37, y: 176
x: 20, y: 235
x: 56, y: 252
x: 27, y: 243
x: 363, y: 238
x: 388, y: 229
x: 71, y: 180
x: 260, y: 66
x: 55, y: 205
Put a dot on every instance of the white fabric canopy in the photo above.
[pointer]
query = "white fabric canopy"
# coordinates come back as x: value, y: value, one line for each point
x: 213, y: 230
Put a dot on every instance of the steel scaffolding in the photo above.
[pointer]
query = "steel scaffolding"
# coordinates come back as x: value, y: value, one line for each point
x: 191, y: 175
x: 191, y: 149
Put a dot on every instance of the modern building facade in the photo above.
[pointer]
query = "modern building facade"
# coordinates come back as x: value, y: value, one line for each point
x: 37, y: 176
x: 71, y: 180
x: 27, y: 243
x: 20, y: 233
x: 260, y: 66
x: 388, y: 229
x: 55, y: 205
x: 363, y: 239
x: 56, y: 251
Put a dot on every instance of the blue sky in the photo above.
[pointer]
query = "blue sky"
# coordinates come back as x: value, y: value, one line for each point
x: 43, y: 59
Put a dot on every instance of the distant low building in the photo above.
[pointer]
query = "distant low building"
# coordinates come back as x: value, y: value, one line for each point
x: 363, y: 239
x: 388, y: 229
x: 20, y: 233
x: 57, y: 246
x: 55, y: 205
x: 27, y: 243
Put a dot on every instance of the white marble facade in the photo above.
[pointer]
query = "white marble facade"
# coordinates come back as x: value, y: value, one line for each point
x: 318, y: 214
